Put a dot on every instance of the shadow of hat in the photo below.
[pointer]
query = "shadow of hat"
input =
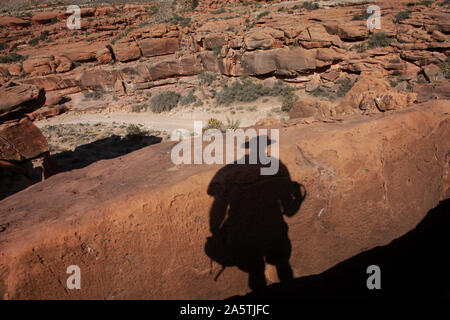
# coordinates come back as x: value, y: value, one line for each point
x: 257, y: 140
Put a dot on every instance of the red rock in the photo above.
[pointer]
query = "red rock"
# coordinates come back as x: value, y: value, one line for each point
x: 8, y: 21
x: 15, y: 69
x: 21, y: 140
x: 126, y: 51
x: 214, y: 40
x: 39, y: 65
x: 353, y: 31
x: 45, y: 17
x: 372, y: 93
x: 433, y: 91
x: 264, y: 62
x: 64, y: 64
x: 104, y: 56
x: 47, y: 112
x: 433, y: 73
x: 17, y: 100
x: 159, y: 46
x: 362, y: 191
x: 311, y: 107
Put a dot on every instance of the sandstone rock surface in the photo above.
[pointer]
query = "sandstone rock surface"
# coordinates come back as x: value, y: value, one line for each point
x: 137, y: 225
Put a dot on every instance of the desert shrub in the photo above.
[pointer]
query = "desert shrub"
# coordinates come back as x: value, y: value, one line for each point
x: 310, y: 5
x: 296, y: 7
x: 44, y: 35
x: 33, y: 42
x: 380, y: 39
x: 207, y: 77
x: 133, y: 131
x: 188, y: 99
x: 345, y: 85
x: 246, y: 90
x: 96, y: 94
x: 213, y: 124
x: 180, y: 20
x: 319, y: 92
x: 363, y: 16
x: 164, y: 101
x: 426, y: 2
x: 360, y: 48
x: 445, y: 3
x: 288, y: 101
x: 12, y: 57
x: 445, y: 67
x: 219, y: 11
x: 139, y: 108
x: 3, y: 46
x: 281, y: 9
x: 262, y: 14
x: 403, y: 15
x: 194, y: 4
x: 217, y: 50
x: 232, y: 124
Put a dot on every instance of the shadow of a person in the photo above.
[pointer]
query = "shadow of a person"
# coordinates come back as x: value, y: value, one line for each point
x: 246, y: 219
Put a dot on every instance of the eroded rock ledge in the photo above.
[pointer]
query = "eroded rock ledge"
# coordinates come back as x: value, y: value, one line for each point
x: 137, y: 225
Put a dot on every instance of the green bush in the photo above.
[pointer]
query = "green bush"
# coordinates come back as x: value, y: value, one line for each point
x: 403, y: 15
x: 180, y: 20
x: 12, y: 57
x: 188, y: 99
x: 33, y: 42
x: 345, y: 85
x: 363, y: 16
x: 133, y: 131
x: 445, y: 67
x: 139, y: 108
x: 165, y: 101
x: 288, y: 102
x: 380, y: 39
x: 207, y: 77
x: 246, y: 91
x: 426, y: 2
x: 96, y: 94
x: 262, y: 14
x: 309, y: 5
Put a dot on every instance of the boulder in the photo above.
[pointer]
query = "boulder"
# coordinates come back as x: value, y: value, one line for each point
x: 357, y: 190
x: 158, y: 46
x: 21, y: 140
x: 258, y: 39
x: 353, y: 31
x: 39, y: 66
x: 372, y: 93
x: 311, y: 107
x: 212, y: 41
x: 45, y: 17
x: 433, y: 91
x: 17, y: 100
x: 433, y: 73
x: 126, y: 51
x: 283, y: 59
x: 8, y: 21
x: 104, y: 56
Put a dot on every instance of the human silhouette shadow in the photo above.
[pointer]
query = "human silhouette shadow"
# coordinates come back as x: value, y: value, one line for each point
x: 246, y: 219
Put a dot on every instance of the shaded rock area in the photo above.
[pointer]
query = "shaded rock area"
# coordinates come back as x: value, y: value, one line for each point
x: 139, y: 223
x: 24, y: 151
